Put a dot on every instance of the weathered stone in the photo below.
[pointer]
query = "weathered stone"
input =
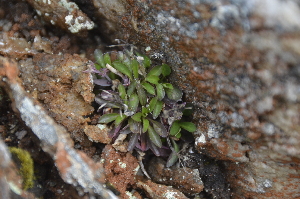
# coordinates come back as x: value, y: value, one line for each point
x: 238, y: 62
x: 184, y: 179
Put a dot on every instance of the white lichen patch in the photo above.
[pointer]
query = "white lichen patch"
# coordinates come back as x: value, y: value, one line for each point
x: 200, y: 140
x: 136, y: 170
x: 77, y: 24
x: 122, y: 165
x: 212, y: 131
x: 70, y: 6
x: 130, y: 195
x: 101, y: 126
x: 170, y: 195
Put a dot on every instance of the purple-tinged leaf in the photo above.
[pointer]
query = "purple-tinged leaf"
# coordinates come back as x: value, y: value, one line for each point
x: 102, y: 71
x: 143, y: 142
x: 153, y: 148
x: 135, y: 127
x: 107, y: 95
x: 105, y: 103
x: 125, y: 131
x: 114, y: 132
x: 174, y: 155
x: 102, y: 82
x: 133, y: 141
x: 154, y: 137
x: 108, y: 118
x: 172, y: 159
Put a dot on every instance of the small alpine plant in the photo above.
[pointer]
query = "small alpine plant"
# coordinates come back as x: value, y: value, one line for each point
x: 136, y: 99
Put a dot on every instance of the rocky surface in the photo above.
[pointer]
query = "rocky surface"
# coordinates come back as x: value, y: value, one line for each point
x: 236, y: 61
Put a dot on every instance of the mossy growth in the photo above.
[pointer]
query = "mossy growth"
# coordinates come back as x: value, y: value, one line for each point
x: 27, y: 166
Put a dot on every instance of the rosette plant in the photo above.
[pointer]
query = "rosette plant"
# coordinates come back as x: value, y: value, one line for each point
x: 136, y: 100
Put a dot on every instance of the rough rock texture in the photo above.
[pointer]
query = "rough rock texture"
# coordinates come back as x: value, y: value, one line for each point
x: 238, y: 62
x: 74, y: 166
x: 184, y: 179
x: 58, y: 81
x: 63, y: 13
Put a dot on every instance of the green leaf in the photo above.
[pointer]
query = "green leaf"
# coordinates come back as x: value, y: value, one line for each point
x: 152, y: 79
x: 152, y: 104
x: 122, y: 68
x: 189, y: 126
x: 157, y: 109
x: 149, y: 88
x: 98, y: 67
x: 188, y: 109
x: 131, y: 88
x: 108, y: 118
x: 142, y: 94
x: 106, y: 58
x: 122, y: 91
x: 167, y: 85
x: 178, y: 135
x: 159, y: 128
x: 156, y: 71
x: 120, y: 56
x: 175, y: 128
x: 160, y: 91
x: 135, y: 68
x: 154, y: 137
x: 137, y: 117
x: 145, y: 125
x: 133, y: 102
x: 172, y: 159
x: 146, y: 61
x: 145, y: 111
x: 174, y: 155
x: 120, y: 119
x: 175, y: 146
x: 99, y: 59
x: 166, y: 70
x: 174, y: 94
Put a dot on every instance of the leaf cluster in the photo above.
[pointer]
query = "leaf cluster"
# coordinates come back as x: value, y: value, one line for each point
x: 136, y: 100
